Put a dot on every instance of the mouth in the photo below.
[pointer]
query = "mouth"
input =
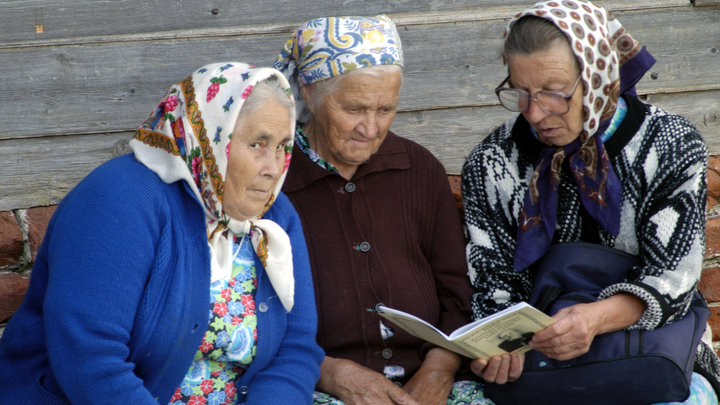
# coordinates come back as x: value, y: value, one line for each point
x: 362, y: 141
x: 548, y: 132
x: 259, y: 191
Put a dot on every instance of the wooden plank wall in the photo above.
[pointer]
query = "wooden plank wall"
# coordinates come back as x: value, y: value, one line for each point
x: 77, y: 77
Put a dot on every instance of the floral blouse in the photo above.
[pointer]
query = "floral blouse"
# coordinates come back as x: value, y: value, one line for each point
x: 229, y: 344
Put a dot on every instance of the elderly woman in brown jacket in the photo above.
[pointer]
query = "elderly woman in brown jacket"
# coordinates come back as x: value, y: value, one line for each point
x: 381, y: 223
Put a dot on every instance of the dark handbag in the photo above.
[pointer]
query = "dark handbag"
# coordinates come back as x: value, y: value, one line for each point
x: 624, y: 367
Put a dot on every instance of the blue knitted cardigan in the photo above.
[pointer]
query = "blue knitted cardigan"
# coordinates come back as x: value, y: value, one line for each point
x: 119, y: 297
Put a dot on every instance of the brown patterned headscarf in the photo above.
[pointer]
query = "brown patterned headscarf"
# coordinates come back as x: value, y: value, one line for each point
x: 601, y: 46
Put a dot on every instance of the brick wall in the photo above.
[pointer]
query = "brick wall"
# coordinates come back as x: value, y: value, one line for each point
x: 21, y: 233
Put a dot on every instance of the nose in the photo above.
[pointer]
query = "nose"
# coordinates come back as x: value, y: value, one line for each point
x: 369, y: 126
x: 534, y: 113
x: 273, y: 163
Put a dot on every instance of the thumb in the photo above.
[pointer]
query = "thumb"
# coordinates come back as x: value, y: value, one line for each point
x: 478, y: 366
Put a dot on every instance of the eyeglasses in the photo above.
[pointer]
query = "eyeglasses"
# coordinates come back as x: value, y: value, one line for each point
x: 551, y: 102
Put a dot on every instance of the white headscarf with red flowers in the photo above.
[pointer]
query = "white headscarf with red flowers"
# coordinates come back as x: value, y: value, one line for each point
x: 187, y: 138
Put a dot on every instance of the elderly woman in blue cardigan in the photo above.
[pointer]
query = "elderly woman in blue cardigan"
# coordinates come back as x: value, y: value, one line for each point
x: 177, y: 274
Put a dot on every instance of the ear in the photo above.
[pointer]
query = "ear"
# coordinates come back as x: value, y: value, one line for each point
x: 306, y: 92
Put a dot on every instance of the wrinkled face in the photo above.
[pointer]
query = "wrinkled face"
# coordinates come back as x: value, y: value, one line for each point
x: 554, y: 69
x: 353, y: 121
x: 256, y: 160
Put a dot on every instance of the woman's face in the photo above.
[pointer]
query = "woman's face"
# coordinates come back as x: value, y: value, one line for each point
x: 353, y: 121
x: 256, y: 160
x: 554, y: 69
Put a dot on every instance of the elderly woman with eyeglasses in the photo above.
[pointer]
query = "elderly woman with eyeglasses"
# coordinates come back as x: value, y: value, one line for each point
x: 584, y: 160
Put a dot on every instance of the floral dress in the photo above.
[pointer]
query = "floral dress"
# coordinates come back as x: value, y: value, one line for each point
x: 229, y: 344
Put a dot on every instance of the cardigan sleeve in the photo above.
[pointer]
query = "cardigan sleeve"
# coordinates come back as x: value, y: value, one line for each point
x: 292, y: 373
x: 99, y: 253
x: 493, y: 191
x: 670, y: 221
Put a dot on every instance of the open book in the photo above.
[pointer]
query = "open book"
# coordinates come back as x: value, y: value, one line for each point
x: 506, y: 331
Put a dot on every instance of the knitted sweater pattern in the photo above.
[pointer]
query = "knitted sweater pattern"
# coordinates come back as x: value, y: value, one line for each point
x: 660, y: 160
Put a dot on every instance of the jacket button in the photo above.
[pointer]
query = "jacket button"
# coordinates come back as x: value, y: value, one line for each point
x: 386, y: 354
x: 263, y: 307
x: 364, y: 247
x: 350, y: 187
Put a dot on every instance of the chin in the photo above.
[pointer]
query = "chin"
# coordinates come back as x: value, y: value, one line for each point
x: 557, y: 141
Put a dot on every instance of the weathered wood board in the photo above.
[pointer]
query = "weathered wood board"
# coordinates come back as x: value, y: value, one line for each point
x: 76, y: 21
x: 71, y: 96
x: 42, y: 170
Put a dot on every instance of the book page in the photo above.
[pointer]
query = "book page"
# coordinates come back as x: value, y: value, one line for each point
x: 520, y: 306
x: 421, y: 329
x: 507, y: 333
x: 503, y: 332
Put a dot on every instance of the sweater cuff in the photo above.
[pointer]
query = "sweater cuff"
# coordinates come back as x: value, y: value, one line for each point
x: 653, y: 314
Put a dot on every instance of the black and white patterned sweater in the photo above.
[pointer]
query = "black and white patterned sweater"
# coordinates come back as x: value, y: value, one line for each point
x: 660, y: 160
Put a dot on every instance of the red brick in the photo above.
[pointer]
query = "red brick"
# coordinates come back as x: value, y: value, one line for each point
x: 712, y: 237
x: 709, y: 284
x: 714, y: 163
x: 11, y: 241
x: 12, y: 291
x: 715, y: 323
x: 711, y: 202
x: 713, y: 183
x: 455, y: 187
x: 37, y: 220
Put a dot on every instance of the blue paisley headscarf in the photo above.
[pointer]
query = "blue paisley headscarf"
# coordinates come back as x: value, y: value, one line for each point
x: 327, y: 47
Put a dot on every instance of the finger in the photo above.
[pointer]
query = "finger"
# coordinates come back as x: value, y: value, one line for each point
x: 565, y: 351
x: 517, y: 361
x: 566, y: 355
x: 491, y: 370
x: 556, y: 348
x: 478, y: 366
x: 502, y: 375
x: 561, y: 342
x: 400, y: 397
x: 561, y: 327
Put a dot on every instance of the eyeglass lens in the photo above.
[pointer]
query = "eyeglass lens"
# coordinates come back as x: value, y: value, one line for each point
x: 518, y: 100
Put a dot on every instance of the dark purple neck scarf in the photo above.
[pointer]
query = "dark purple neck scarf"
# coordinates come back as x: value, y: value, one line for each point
x: 599, y: 188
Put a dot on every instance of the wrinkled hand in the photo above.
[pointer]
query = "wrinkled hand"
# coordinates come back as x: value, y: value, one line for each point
x: 576, y: 326
x: 431, y: 384
x: 499, y: 369
x: 357, y: 385
x: 571, y: 334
